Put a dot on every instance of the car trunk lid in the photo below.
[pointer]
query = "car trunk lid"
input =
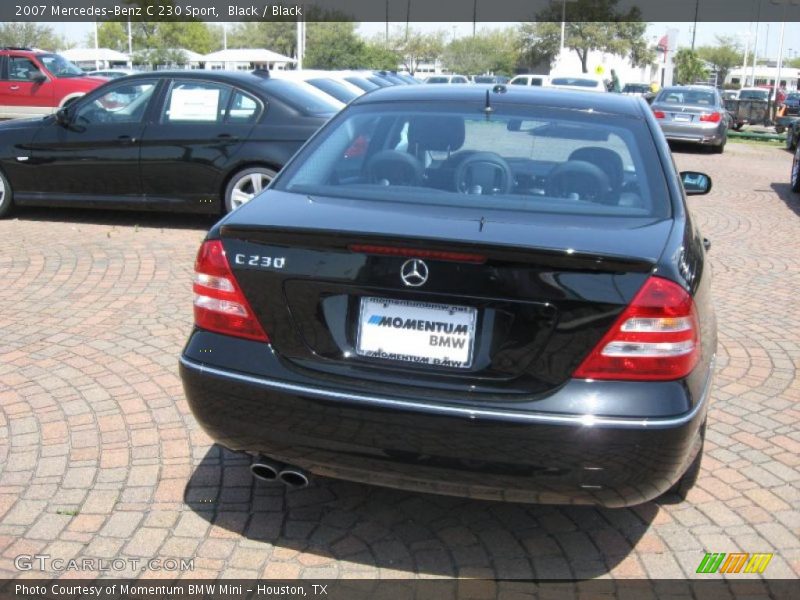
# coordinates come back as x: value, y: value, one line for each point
x: 522, y: 297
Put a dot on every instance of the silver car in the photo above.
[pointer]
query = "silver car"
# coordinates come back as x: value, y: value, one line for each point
x: 693, y: 113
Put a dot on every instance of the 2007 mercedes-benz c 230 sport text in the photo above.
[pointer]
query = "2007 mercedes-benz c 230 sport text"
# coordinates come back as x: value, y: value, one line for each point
x: 486, y: 292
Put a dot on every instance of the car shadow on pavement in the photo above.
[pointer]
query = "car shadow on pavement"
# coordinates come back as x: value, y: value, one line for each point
x: 369, y: 527
x: 785, y: 193
x: 116, y: 218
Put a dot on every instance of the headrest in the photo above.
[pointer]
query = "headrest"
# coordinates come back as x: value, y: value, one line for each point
x: 436, y: 132
x: 607, y: 160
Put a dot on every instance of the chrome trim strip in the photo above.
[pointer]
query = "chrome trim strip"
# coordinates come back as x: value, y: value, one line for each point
x: 458, y: 411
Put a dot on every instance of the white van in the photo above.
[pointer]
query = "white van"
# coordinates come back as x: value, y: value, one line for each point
x: 528, y: 79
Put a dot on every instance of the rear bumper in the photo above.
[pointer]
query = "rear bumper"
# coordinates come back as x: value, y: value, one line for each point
x: 476, y: 451
x: 712, y: 137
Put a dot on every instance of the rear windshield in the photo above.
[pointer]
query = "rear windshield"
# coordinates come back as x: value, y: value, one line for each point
x: 636, y: 88
x: 684, y: 96
x: 300, y: 99
x: 437, y: 80
x: 334, y: 88
x: 575, y: 81
x: 518, y: 159
x: 362, y: 83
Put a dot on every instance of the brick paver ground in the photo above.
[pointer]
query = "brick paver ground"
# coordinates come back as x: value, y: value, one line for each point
x: 100, y: 457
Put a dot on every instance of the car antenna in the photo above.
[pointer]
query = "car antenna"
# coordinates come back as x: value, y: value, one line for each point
x: 487, y: 110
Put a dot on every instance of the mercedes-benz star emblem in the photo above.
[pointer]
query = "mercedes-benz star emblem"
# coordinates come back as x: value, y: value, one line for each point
x: 414, y: 272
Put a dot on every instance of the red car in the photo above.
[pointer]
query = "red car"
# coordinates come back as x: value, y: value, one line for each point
x: 36, y: 83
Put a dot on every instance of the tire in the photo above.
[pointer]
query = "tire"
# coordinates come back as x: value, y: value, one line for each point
x: 719, y: 149
x: 689, y: 478
x: 6, y: 197
x: 794, y: 179
x: 245, y: 185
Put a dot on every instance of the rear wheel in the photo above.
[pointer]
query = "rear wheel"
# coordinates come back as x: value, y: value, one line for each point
x: 245, y: 185
x: 6, y: 198
x: 719, y: 149
x: 795, y: 172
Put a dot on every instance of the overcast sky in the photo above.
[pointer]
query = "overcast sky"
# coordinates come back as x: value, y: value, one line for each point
x: 706, y: 32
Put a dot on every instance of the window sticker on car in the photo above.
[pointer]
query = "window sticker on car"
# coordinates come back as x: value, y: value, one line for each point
x: 193, y: 104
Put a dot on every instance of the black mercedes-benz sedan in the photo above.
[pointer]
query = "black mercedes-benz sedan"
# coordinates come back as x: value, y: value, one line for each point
x: 196, y: 141
x: 492, y: 293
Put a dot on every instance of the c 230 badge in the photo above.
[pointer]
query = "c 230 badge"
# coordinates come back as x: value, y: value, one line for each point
x: 260, y: 261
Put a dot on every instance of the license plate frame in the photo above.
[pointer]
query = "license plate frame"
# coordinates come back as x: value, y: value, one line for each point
x: 403, y: 341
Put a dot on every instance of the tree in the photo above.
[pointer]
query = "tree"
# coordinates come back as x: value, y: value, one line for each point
x: 417, y: 47
x: 795, y: 62
x: 112, y: 34
x: 278, y: 36
x: 591, y: 25
x: 29, y: 35
x: 486, y: 52
x: 726, y: 54
x: 158, y: 43
x: 688, y: 67
x: 333, y: 46
x: 377, y: 55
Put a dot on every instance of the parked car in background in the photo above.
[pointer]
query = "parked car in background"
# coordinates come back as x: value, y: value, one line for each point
x: 754, y: 93
x: 391, y: 77
x: 795, y: 176
x: 583, y: 83
x: 447, y: 79
x: 356, y: 322
x: 694, y: 114
x: 34, y: 83
x: 527, y: 79
x: 490, y: 79
x: 112, y: 73
x: 195, y: 141
x: 792, y: 104
x: 328, y: 82
x: 636, y: 89
x: 792, y: 134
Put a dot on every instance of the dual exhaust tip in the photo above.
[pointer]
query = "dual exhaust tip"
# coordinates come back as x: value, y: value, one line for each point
x: 269, y: 470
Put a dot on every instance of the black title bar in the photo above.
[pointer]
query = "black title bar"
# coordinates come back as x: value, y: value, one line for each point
x: 398, y: 10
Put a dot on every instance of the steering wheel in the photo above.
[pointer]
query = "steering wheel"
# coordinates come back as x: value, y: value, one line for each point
x: 392, y: 167
x: 484, y: 171
x: 578, y: 177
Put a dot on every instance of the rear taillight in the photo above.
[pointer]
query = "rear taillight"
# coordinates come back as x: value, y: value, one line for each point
x: 711, y: 117
x: 659, y: 114
x: 219, y: 304
x: 656, y: 338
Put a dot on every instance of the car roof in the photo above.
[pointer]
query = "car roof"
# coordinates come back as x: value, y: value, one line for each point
x: 531, y: 96
x: 245, y: 77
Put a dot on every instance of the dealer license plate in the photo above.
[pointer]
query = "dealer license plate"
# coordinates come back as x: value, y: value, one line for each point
x: 439, y: 335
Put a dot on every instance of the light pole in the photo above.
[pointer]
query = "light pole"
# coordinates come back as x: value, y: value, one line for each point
x: 694, y: 29
x: 755, y: 43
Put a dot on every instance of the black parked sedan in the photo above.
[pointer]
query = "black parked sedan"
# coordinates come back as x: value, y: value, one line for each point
x: 197, y: 141
x: 495, y: 294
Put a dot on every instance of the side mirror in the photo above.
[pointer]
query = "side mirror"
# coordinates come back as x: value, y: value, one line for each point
x: 62, y: 117
x: 37, y: 77
x: 514, y: 125
x: 695, y: 184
